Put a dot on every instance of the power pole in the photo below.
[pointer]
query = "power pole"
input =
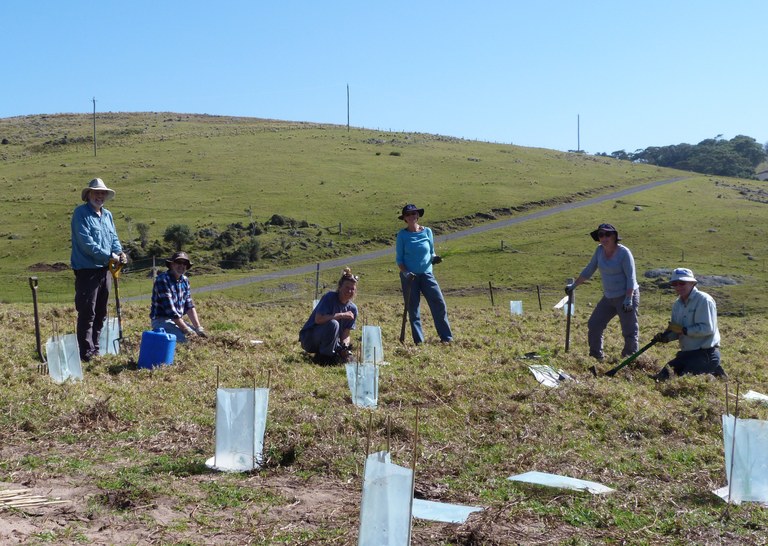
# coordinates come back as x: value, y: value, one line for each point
x: 94, y: 126
x: 578, y: 133
x: 347, y: 107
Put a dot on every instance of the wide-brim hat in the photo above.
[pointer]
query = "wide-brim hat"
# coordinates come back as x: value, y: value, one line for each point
x: 410, y: 208
x: 605, y: 227
x: 682, y: 274
x: 97, y: 184
x: 179, y: 256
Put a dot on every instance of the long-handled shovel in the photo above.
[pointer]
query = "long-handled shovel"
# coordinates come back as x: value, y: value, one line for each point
x: 407, y: 297
x: 43, y: 366
x: 114, y: 268
x: 568, y: 312
x: 631, y: 358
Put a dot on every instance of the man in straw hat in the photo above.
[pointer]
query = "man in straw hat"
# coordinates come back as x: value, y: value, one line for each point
x: 172, y: 299
x: 94, y: 244
x: 694, y: 326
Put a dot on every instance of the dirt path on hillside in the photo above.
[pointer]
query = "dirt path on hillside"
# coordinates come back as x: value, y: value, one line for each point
x: 347, y: 260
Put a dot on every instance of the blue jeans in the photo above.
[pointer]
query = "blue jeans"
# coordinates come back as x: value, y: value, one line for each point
x: 426, y: 284
x: 605, y: 310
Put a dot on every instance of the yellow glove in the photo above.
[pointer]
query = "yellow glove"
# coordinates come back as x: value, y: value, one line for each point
x: 676, y: 328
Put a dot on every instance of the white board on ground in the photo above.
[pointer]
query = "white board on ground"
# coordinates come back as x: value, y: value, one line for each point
x: 548, y: 376
x: 441, y: 511
x: 755, y: 397
x: 562, y: 482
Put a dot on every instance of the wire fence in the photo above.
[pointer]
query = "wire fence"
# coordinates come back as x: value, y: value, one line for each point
x: 311, y: 281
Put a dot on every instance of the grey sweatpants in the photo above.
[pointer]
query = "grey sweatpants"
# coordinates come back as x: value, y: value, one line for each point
x: 605, y: 310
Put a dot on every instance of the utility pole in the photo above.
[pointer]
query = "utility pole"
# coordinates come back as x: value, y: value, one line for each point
x: 578, y: 133
x: 94, y: 126
x: 347, y: 107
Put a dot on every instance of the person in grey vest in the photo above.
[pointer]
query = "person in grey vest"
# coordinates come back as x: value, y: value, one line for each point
x: 694, y: 326
x: 621, y: 293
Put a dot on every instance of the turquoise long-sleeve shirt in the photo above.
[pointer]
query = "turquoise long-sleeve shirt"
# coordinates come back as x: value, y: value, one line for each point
x: 617, y: 272
x: 414, y: 250
x: 94, y: 238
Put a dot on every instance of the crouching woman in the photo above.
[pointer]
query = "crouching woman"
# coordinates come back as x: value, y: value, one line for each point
x: 327, y: 331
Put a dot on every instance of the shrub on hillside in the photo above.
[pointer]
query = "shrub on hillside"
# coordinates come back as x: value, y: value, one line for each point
x: 178, y: 235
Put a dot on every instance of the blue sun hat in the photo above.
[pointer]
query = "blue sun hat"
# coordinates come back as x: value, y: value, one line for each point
x: 604, y: 227
x: 410, y: 208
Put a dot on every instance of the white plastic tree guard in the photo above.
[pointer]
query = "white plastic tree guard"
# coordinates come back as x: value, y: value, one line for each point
x: 241, y: 420
x: 373, y: 348
x: 109, y: 343
x: 385, y: 509
x: 363, y: 380
x: 746, y: 460
x: 63, y: 356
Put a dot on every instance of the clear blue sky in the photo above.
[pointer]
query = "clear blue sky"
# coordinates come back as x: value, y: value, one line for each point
x: 637, y: 74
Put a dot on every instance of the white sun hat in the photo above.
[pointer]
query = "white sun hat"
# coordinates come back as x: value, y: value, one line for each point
x: 97, y: 184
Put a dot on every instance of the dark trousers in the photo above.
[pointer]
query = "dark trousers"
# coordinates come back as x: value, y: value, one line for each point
x: 321, y: 338
x: 695, y: 362
x: 91, y: 299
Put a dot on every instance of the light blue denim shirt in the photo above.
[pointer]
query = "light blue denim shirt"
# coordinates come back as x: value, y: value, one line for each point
x: 617, y: 272
x: 94, y: 238
x: 699, y: 316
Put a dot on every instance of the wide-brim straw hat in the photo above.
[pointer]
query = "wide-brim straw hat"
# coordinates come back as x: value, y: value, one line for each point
x: 97, y: 184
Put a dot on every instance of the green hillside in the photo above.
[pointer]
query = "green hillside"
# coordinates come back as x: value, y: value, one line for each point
x: 209, y: 172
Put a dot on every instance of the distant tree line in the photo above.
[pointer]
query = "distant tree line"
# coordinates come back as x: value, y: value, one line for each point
x: 736, y: 157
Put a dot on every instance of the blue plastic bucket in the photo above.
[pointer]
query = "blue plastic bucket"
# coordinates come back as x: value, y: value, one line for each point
x: 157, y: 348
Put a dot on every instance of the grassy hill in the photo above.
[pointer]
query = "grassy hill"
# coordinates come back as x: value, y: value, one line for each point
x: 126, y: 447
x: 209, y: 172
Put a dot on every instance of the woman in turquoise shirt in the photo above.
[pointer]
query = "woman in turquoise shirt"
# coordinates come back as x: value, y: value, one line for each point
x: 415, y: 254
